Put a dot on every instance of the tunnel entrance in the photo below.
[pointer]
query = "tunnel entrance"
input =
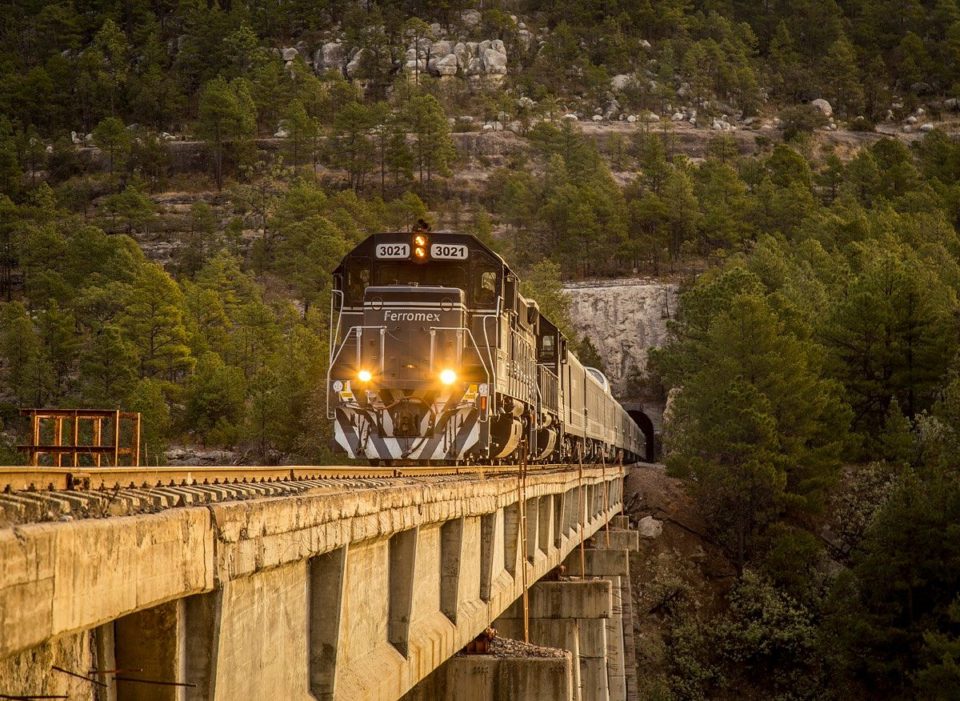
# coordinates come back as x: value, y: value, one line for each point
x: 646, y: 425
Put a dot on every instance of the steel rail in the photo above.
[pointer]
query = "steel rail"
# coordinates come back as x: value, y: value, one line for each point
x: 14, y: 479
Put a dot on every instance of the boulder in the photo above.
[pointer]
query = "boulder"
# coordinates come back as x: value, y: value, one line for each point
x: 281, y: 132
x: 570, y: 116
x: 927, y: 128
x: 823, y: 106
x: 463, y: 55
x: 525, y: 103
x: 413, y: 67
x: 441, y: 48
x: 612, y: 110
x: 677, y: 117
x: 330, y: 57
x: 650, y: 527
x: 494, y: 62
x: 525, y: 38
x: 515, y: 126
x: 289, y: 53
x: 445, y: 66
x: 911, y: 119
x: 353, y: 67
x: 621, y: 81
x: 475, y: 66
x: 645, y: 44
x: 951, y: 103
x: 632, y: 119
x: 597, y: 118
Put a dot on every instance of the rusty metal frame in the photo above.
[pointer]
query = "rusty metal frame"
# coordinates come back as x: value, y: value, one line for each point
x: 53, y: 420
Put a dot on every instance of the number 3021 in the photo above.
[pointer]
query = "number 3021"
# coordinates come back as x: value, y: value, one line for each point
x: 393, y: 250
x: 448, y: 252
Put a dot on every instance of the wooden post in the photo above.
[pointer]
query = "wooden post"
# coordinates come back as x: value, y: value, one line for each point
x: 76, y: 438
x: 98, y: 436
x: 136, y: 447
x: 35, y: 454
x: 58, y: 439
x: 116, y: 439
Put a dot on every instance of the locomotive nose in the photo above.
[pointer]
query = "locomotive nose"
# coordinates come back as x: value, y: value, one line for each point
x: 420, y: 339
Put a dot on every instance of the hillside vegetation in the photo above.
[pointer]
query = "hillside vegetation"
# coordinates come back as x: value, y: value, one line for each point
x: 178, y: 180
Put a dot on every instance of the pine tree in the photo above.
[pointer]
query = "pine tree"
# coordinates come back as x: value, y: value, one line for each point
x: 227, y: 117
x: 153, y: 322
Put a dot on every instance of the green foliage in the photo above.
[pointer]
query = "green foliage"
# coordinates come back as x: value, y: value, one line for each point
x: 227, y: 120
x: 756, y: 426
x: 543, y: 284
x: 765, y: 646
x: 895, y: 608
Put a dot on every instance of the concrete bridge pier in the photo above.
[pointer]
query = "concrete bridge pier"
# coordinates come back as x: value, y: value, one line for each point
x: 570, y: 615
x: 588, y: 614
x: 607, y: 558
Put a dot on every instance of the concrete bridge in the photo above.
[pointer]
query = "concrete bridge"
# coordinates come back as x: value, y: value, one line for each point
x: 366, y: 590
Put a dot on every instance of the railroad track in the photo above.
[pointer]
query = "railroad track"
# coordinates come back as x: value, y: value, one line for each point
x: 14, y: 479
x: 33, y: 494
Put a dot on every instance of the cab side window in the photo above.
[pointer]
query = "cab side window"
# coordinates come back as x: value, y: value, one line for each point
x: 486, y: 293
x: 548, y: 349
x: 358, y: 279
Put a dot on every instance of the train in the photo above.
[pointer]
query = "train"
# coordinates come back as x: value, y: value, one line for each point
x: 437, y: 358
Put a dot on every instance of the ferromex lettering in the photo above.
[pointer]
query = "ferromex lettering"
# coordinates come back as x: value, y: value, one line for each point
x: 411, y: 316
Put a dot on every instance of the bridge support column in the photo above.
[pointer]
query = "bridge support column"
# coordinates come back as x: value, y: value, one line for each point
x: 571, y: 615
x: 613, y: 565
x: 202, y: 614
x: 151, y: 642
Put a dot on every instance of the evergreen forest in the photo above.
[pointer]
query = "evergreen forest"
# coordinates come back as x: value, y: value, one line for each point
x: 178, y: 178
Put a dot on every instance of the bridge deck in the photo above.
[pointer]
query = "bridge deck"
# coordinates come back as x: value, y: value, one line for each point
x: 340, y: 587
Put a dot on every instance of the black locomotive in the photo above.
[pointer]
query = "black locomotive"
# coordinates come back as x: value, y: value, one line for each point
x: 436, y: 356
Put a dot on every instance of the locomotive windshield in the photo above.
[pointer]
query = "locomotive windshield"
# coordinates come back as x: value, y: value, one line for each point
x: 434, y: 274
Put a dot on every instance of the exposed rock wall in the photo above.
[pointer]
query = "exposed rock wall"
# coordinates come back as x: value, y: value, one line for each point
x: 624, y: 319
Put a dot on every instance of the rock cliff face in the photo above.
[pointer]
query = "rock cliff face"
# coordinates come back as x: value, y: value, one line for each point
x: 623, y: 319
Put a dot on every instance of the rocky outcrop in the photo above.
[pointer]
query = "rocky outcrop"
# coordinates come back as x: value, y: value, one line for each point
x: 623, y: 319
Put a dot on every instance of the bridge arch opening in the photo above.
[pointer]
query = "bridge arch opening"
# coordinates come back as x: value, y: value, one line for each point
x: 646, y: 425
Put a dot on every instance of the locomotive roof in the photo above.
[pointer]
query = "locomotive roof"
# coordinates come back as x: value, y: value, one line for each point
x: 368, y: 245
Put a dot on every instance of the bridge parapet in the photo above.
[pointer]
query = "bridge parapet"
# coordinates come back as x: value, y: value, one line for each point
x: 329, y: 594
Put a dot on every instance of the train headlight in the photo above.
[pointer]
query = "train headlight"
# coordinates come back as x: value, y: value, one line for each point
x: 448, y: 376
x: 420, y: 240
x: 364, y: 376
x: 420, y: 253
